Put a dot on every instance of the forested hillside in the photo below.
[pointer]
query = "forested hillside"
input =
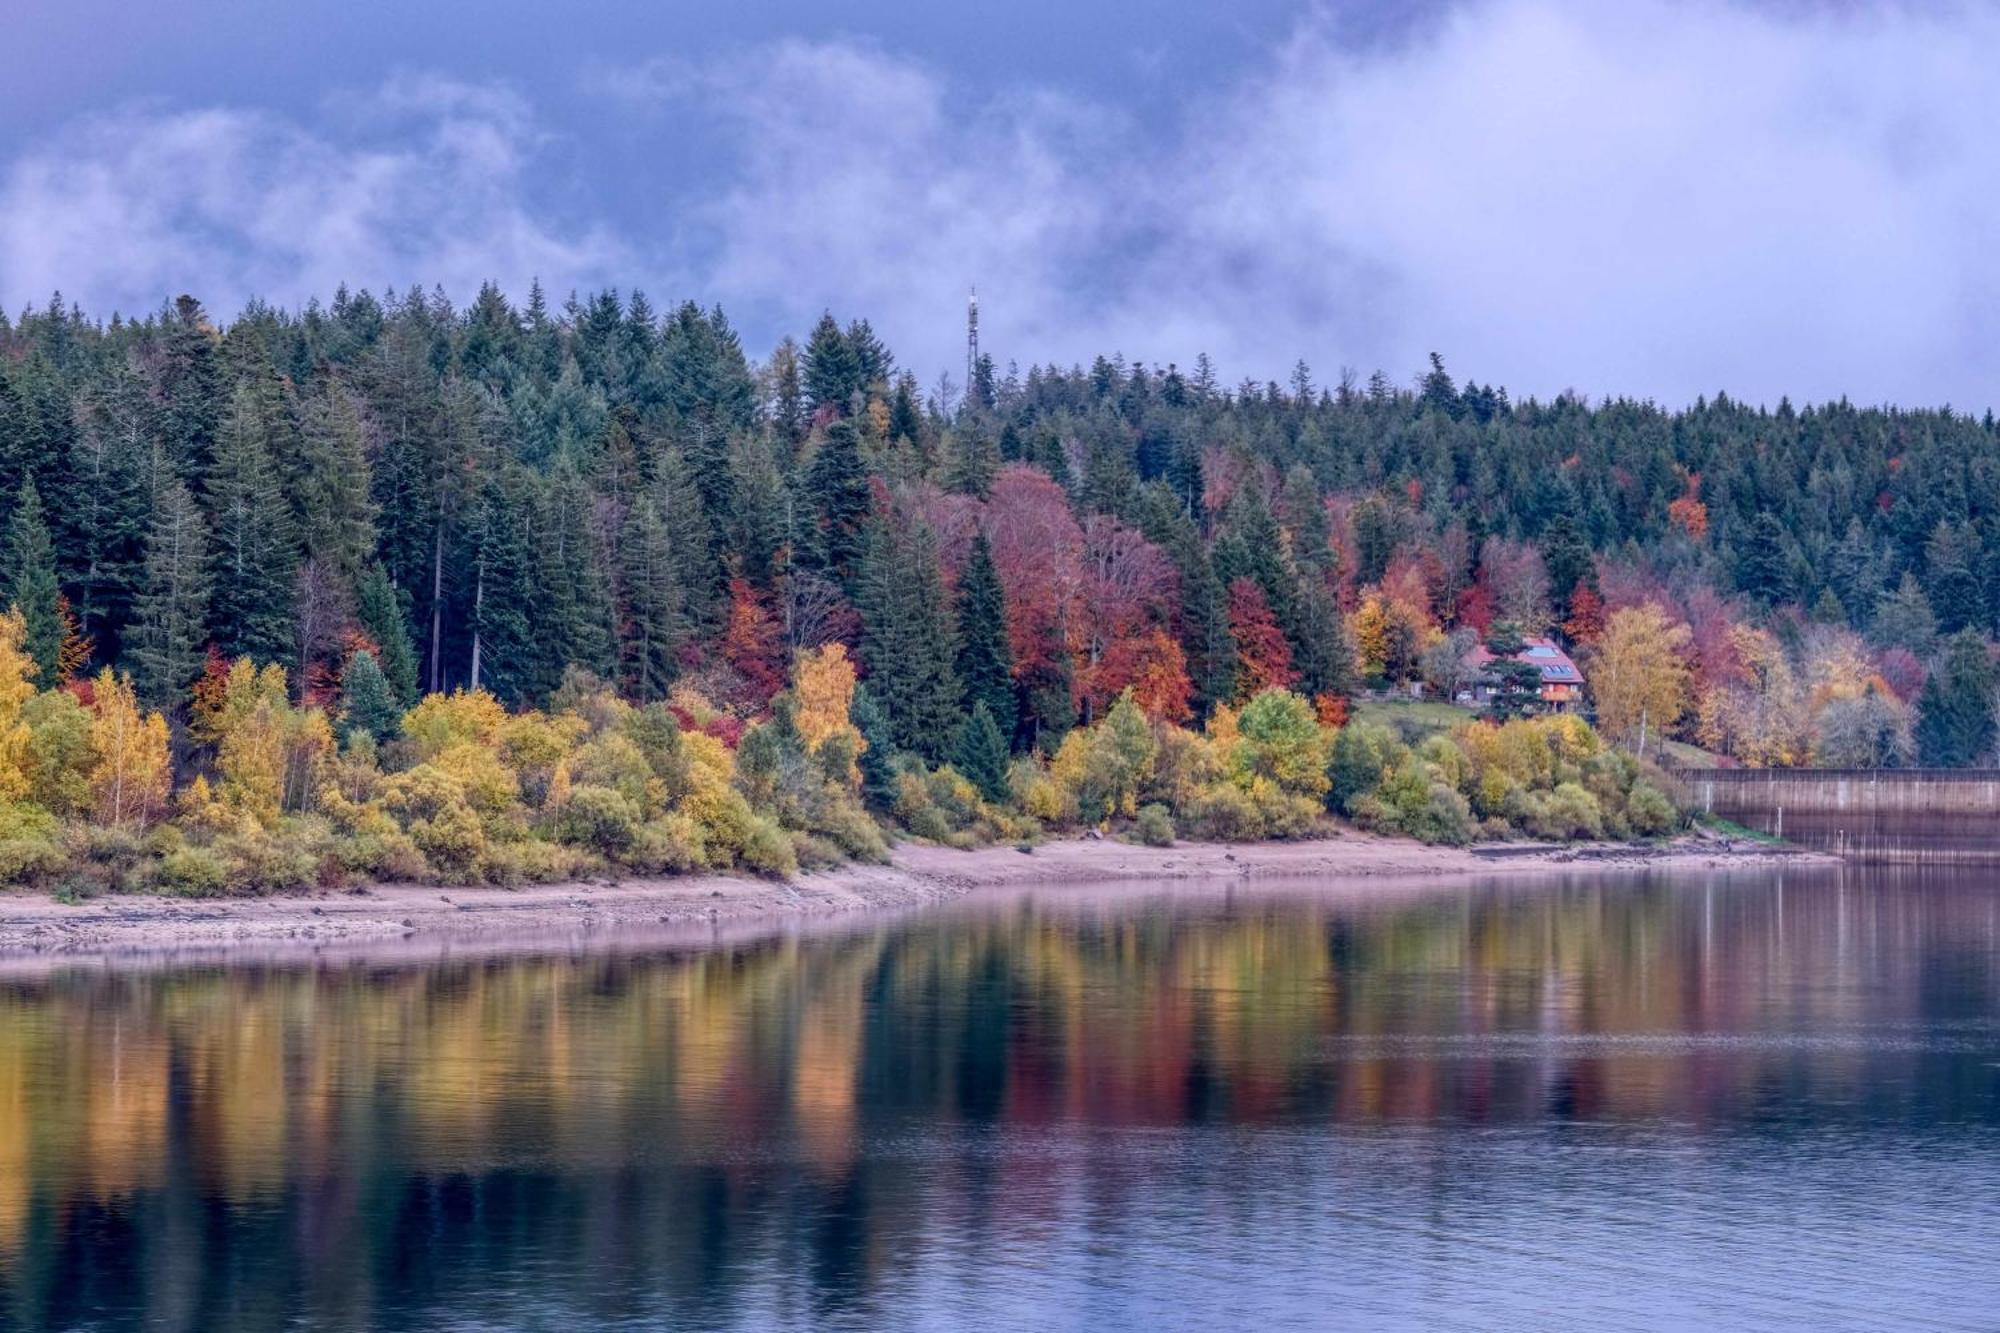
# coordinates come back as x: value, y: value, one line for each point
x: 491, y: 496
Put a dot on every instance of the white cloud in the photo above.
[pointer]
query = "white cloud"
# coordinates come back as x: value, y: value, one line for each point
x: 1652, y: 198
x: 421, y: 182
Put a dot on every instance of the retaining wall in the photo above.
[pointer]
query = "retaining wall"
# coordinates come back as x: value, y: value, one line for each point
x: 1936, y: 815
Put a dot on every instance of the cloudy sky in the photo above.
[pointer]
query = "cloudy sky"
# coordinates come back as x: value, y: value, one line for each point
x: 1648, y: 198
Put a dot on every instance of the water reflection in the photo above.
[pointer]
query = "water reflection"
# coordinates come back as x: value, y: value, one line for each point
x: 1629, y: 1101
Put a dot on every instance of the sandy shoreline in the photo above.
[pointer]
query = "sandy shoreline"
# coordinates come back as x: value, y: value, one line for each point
x: 35, y: 926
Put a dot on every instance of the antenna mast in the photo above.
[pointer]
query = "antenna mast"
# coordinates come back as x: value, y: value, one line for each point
x: 971, y: 340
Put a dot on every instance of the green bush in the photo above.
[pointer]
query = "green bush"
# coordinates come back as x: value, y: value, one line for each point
x: 1224, y: 813
x: 767, y: 851
x: 669, y: 845
x: 1649, y: 813
x: 599, y: 818
x: 1154, y: 826
x: 194, y: 872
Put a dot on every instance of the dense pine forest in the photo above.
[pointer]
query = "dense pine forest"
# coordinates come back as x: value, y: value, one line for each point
x: 321, y: 551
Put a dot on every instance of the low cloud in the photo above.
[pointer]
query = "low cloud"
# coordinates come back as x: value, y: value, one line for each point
x: 1650, y: 199
x: 422, y: 181
x: 1657, y: 199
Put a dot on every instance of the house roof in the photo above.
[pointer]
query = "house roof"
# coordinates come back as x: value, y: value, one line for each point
x: 1544, y: 656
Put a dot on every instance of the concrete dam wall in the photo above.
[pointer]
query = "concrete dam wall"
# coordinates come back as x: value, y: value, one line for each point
x: 1949, y: 816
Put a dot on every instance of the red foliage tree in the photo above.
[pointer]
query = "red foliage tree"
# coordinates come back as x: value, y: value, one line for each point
x: 1586, y: 615
x: 1901, y: 672
x: 1688, y: 513
x: 1126, y: 595
x: 1475, y: 609
x: 1155, y: 669
x: 753, y: 644
x: 1038, y: 554
x: 1263, y: 657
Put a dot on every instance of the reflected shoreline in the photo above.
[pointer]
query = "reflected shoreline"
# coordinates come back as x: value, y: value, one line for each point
x: 743, y: 1124
x: 430, y: 922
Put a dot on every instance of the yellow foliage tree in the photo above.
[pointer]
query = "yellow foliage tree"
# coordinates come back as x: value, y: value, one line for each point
x: 1761, y: 719
x: 16, y: 688
x: 823, y: 685
x: 440, y: 721
x: 1640, y: 676
x: 130, y: 772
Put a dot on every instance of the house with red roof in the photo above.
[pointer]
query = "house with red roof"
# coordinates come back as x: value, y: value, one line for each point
x: 1562, y: 683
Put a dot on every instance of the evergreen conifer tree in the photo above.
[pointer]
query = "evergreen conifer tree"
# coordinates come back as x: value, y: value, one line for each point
x: 379, y: 608
x: 1955, y: 712
x: 985, y: 666
x: 836, y: 487
x: 170, y: 626
x: 367, y: 700
x: 878, y: 759
x: 907, y: 638
x: 32, y: 587
x: 335, y: 508
x: 255, y: 541
x: 654, y: 621
x: 980, y: 754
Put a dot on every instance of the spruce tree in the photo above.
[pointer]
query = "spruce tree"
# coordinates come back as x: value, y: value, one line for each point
x: 907, y: 640
x: 255, y: 542
x: 878, y: 758
x: 170, y: 627
x: 1763, y: 563
x: 379, y: 608
x: 832, y: 373
x: 368, y: 701
x: 1567, y: 559
x: 836, y: 487
x: 654, y: 621
x: 1955, y: 712
x: 985, y: 665
x: 335, y: 507
x: 574, y: 617
x: 32, y: 587
x: 980, y: 754
x: 190, y: 403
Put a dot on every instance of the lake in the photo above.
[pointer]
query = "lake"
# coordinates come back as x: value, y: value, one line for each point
x: 1765, y: 1099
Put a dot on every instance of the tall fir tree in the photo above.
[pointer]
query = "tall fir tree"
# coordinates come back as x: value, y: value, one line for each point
x: 907, y: 640
x: 654, y: 623
x: 169, y: 633
x: 836, y: 487
x: 831, y: 371
x: 379, y: 608
x: 255, y: 541
x: 32, y: 587
x: 878, y: 756
x: 985, y: 666
x: 335, y: 508
x: 1955, y: 712
x: 368, y: 702
x: 980, y: 754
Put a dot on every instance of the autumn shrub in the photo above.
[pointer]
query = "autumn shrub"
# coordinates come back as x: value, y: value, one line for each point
x: 30, y: 849
x: 1154, y: 826
x: 1363, y: 753
x: 766, y: 850
x: 1222, y: 813
x: 601, y: 819
x: 669, y: 845
x: 194, y: 872
x: 1649, y: 813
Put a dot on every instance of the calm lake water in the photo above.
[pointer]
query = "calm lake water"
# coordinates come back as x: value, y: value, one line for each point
x: 1740, y: 1101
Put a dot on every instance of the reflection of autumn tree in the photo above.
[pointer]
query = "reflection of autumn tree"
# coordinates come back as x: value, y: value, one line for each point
x: 629, y: 1087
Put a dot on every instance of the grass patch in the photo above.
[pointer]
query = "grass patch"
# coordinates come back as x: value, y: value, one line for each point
x: 1729, y: 828
x: 1413, y: 719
